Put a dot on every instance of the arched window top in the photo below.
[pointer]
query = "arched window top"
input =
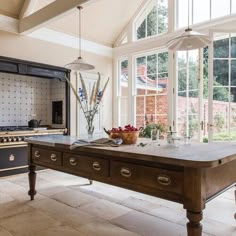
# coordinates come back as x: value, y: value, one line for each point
x: 152, y: 20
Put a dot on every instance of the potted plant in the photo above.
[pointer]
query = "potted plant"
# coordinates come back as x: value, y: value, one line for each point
x: 146, y: 131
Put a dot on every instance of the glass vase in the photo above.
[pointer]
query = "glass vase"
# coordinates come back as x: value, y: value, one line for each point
x: 90, y: 130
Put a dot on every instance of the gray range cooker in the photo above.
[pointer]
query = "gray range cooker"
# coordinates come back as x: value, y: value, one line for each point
x: 13, y: 148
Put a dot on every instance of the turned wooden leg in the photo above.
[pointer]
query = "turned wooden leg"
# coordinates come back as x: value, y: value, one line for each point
x: 235, y: 202
x: 32, y: 181
x: 194, y: 226
x: 90, y: 182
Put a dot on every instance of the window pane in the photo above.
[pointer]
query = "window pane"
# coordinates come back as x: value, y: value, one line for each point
x: 221, y: 94
x: 162, y: 16
x: 182, y: 60
x: 152, y: 64
x: 141, y: 65
x: 123, y: 111
x: 233, y: 96
x: 233, y: 6
x: 182, y: 13
x: 141, y: 31
x: 193, y: 79
x: 141, y: 71
x: 150, y: 105
x: 182, y: 76
x: 162, y: 83
x: 162, y: 62
x: 221, y: 72
x: 233, y: 46
x: 152, y: 22
x: 201, y: 10
x: 152, y: 84
x: 221, y: 48
x: 140, y: 105
x: 161, y: 104
x: 233, y: 72
x: 124, y: 78
x: 220, y: 8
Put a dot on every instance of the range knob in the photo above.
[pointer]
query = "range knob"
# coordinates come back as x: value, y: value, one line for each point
x: 9, y: 139
x: 19, y: 139
x: 3, y: 140
x: 14, y: 139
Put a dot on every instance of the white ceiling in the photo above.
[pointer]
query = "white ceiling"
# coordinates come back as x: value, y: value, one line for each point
x: 11, y: 8
x: 102, y: 21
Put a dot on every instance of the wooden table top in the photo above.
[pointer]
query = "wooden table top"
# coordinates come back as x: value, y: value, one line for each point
x: 197, y: 155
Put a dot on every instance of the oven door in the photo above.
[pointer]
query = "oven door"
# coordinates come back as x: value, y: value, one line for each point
x: 13, y: 159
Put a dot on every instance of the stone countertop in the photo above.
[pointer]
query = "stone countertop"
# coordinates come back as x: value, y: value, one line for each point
x: 192, y: 155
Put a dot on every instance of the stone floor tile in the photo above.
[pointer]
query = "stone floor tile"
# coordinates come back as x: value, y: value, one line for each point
x: 11, y: 188
x: 229, y: 194
x: 49, y: 189
x: 13, y: 208
x: 104, y: 191
x: 74, y: 198
x: 105, y: 209
x: 26, y: 224
x: 4, y: 232
x: 103, y: 228
x: 5, y: 198
x: 174, y: 215
x: 221, y: 210
x: 59, y: 231
x: 147, y: 225
x: 61, y: 212
x: 138, y: 204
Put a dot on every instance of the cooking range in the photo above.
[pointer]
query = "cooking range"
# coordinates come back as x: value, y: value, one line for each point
x: 13, y: 147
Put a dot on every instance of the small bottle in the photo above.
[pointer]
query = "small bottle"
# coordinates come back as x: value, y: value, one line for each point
x: 169, y: 136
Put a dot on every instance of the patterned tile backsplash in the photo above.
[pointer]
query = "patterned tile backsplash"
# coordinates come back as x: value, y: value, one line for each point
x: 23, y: 98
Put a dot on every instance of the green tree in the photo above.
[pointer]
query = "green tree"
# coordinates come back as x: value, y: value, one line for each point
x: 155, y: 21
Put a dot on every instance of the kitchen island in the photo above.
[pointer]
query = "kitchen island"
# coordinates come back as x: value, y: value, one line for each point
x: 189, y: 174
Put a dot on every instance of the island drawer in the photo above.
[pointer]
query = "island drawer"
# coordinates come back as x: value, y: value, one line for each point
x: 52, y: 157
x: 98, y: 166
x: 157, y: 178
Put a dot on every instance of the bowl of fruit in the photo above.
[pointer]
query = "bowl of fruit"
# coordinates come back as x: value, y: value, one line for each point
x: 129, y: 134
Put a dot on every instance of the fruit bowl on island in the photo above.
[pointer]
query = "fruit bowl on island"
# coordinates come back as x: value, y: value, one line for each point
x: 129, y: 134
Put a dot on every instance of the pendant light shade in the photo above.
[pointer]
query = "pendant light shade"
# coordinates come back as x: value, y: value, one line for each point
x: 189, y: 40
x: 79, y: 64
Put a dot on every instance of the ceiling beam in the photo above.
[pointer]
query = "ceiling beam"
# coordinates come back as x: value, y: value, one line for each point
x: 48, y: 14
x: 9, y: 24
x: 28, y: 8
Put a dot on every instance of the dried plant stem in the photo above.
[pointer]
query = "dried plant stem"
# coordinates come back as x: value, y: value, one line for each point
x: 77, y: 96
x: 84, y: 90
x: 104, y: 88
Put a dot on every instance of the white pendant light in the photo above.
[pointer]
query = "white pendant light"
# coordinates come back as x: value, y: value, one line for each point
x: 189, y: 40
x: 79, y: 64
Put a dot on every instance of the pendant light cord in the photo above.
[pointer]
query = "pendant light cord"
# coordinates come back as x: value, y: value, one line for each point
x: 188, y: 29
x: 188, y: 13
x: 80, y: 8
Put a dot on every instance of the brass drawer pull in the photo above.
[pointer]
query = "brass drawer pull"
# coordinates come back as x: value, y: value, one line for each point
x: 125, y: 172
x: 97, y: 166
x: 73, y: 161
x: 53, y: 157
x: 37, y: 154
x: 164, y: 180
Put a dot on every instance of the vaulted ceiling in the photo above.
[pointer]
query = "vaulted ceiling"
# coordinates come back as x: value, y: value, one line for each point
x: 102, y: 20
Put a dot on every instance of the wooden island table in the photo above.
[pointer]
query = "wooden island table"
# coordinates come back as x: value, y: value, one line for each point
x: 189, y: 174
